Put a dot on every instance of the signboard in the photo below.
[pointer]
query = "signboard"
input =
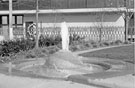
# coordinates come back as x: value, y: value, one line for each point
x: 30, y: 30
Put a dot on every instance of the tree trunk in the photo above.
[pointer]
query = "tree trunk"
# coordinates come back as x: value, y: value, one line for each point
x: 126, y: 28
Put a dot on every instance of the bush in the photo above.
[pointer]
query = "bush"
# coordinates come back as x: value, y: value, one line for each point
x: 35, y: 53
x: 4, y: 59
x: 127, y: 42
x: 75, y: 39
x: 56, y: 40
x: 50, y: 49
x: 15, y: 46
x: 74, y: 48
x: 105, y: 43
x: 89, y: 45
x: 94, y: 44
x: 112, y: 43
x: 117, y: 42
x: 49, y: 40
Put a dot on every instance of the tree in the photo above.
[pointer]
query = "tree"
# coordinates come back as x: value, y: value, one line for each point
x: 127, y: 16
x: 99, y: 24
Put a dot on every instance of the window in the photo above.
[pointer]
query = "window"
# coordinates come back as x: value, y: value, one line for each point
x: 16, y: 20
x: 13, y: 19
x: 19, y: 20
x: 4, y: 19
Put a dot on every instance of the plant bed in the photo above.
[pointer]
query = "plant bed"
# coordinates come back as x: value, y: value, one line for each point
x: 24, y: 48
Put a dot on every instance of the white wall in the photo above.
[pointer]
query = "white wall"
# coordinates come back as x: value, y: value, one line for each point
x: 84, y: 19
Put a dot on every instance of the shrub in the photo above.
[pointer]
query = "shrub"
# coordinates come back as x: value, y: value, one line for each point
x: 117, y: 42
x: 49, y: 40
x: 106, y: 43
x: 59, y: 46
x: 34, y: 53
x: 89, y: 45
x: 15, y: 46
x: 50, y: 49
x: 75, y: 39
x: 74, y: 48
x: 82, y: 47
x: 4, y: 59
x: 94, y: 44
x: 112, y: 43
x: 127, y: 42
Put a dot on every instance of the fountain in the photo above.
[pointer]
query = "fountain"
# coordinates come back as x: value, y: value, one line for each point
x: 62, y: 63
x: 65, y: 36
x: 64, y: 60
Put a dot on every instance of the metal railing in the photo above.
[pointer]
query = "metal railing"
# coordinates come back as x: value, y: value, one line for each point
x: 110, y: 33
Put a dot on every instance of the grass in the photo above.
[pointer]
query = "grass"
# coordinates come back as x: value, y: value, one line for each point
x: 125, y: 53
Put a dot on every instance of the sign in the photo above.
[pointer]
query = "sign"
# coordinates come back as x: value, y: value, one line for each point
x: 30, y: 30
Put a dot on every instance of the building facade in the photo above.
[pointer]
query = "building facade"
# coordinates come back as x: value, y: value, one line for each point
x: 76, y: 13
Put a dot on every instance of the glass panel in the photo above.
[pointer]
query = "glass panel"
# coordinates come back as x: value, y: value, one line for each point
x: 19, y: 20
x: 4, y: 20
x: 13, y: 19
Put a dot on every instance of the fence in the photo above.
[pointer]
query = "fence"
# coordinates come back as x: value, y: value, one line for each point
x: 90, y: 33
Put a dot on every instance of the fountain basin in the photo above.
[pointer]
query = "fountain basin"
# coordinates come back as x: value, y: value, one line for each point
x: 37, y: 67
x: 60, y: 64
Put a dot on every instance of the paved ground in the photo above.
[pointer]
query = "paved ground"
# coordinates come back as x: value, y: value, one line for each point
x: 117, y: 54
x: 24, y: 82
x: 110, y: 79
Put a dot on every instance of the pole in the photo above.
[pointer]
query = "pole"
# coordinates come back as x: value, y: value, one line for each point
x: 126, y: 21
x: 10, y: 68
x: 37, y: 29
x: 10, y: 20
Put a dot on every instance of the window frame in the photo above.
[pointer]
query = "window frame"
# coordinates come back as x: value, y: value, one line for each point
x: 15, y: 18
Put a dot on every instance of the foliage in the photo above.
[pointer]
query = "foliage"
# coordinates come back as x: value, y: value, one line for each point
x: 102, y: 44
x: 24, y: 48
x: 38, y: 53
x: 127, y: 42
x: 75, y: 39
x: 49, y: 40
x: 14, y: 46
x: 4, y: 59
x: 33, y: 53
x: 117, y: 42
